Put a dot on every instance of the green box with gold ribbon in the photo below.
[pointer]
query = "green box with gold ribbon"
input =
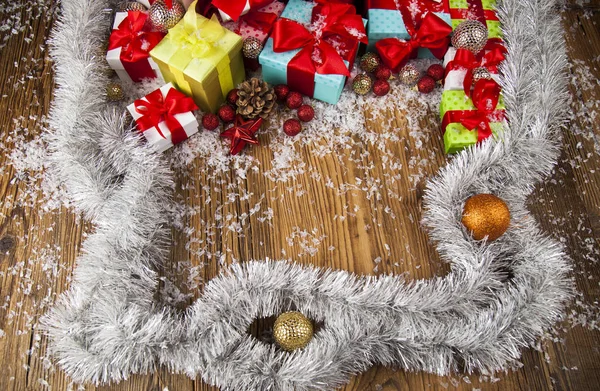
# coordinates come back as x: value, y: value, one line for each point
x: 482, y: 10
x: 456, y: 108
x: 202, y: 59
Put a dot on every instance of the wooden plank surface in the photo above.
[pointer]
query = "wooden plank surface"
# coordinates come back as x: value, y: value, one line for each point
x: 567, y: 206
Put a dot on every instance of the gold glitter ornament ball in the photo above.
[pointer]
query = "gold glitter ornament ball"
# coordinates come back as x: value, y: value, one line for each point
x: 471, y: 35
x: 409, y: 75
x: 362, y: 84
x: 252, y: 47
x: 162, y: 18
x: 114, y: 92
x: 486, y: 215
x: 131, y: 6
x: 481, y: 73
x: 292, y: 330
x: 369, y: 62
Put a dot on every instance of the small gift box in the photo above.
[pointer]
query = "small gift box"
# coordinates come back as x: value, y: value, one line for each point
x: 256, y: 24
x: 481, y: 10
x: 433, y: 34
x: 401, y: 18
x: 165, y: 117
x: 202, y: 59
x: 316, y: 67
x: 467, y: 121
x: 462, y: 65
x: 129, y: 45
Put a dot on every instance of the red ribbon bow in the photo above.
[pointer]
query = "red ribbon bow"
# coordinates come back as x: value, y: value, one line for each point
x: 262, y: 21
x: 492, y: 55
x: 433, y: 34
x: 156, y: 108
x: 316, y: 55
x: 234, y: 8
x: 132, y: 38
x: 485, y: 98
x: 135, y: 44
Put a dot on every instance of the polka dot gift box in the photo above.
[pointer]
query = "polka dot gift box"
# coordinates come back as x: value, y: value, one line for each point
x: 397, y: 18
x: 316, y: 68
x: 256, y: 24
x: 467, y: 121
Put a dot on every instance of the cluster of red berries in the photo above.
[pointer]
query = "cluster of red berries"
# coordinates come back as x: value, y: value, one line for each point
x: 435, y: 73
x: 294, y: 101
x: 226, y: 113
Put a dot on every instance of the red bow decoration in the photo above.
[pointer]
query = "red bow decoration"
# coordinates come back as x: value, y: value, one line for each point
x: 156, y: 108
x: 135, y: 44
x: 492, y: 55
x: 316, y: 55
x: 262, y: 21
x: 132, y: 38
x: 433, y: 34
x: 485, y: 98
x: 241, y: 133
x: 234, y: 8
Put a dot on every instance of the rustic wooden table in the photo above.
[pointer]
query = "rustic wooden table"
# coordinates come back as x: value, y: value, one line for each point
x: 39, y: 245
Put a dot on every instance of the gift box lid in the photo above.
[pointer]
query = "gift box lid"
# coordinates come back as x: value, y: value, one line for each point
x: 458, y: 100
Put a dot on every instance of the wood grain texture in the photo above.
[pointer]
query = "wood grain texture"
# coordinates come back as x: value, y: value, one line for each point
x: 567, y: 206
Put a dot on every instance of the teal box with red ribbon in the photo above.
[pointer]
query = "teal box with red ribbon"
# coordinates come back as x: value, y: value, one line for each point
x: 401, y: 19
x: 312, y: 48
x: 468, y: 120
x: 165, y: 117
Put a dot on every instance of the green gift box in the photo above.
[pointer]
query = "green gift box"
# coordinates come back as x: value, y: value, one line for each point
x: 454, y: 107
x: 482, y: 10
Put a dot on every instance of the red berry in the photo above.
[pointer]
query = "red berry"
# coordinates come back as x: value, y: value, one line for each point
x: 306, y: 113
x: 292, y: 127
x: 282, y: 91
x: 232, y: 97
x: 381, y: 87
x: 210, y: 121
x: 436, y: 71
x: 293, y: 100
x: 226, y: 113
x: 383, y: 72
x: 426, y: 84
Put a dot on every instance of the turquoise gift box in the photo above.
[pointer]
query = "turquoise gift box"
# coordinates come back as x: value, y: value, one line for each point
x: 388, y: 23
x: 328, y: 88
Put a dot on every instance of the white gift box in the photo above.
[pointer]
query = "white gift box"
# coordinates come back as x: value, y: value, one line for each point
x: 113, y: 57
x: 455, y: 78
x: 187, y: 121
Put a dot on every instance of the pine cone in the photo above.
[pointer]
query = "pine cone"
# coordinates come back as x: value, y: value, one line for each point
x: 255, y: 99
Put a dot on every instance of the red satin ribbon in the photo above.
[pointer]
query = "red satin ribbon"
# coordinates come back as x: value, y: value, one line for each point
x: 316, y: 55
x: 492, y: 55
x: 135, y: 44
x: 234, y: 8
x: 157, y: 108
x: 262, y: 21
x: 475, y: 11
x: 433, y: 35
x: 485, y: 98
x: 424, y: 5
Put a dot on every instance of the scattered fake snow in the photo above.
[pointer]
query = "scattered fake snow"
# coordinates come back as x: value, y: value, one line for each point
x: 290, y: 169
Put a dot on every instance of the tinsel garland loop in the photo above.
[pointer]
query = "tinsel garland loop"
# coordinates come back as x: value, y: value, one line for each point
x: 498, y: 298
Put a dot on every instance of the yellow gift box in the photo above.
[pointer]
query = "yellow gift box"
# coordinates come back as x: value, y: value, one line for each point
x: 202, y: 59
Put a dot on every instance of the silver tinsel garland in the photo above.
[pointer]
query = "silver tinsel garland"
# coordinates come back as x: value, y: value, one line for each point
x: 498, y: 298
